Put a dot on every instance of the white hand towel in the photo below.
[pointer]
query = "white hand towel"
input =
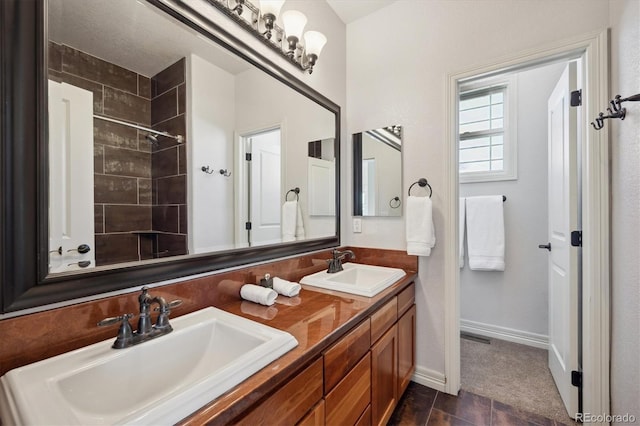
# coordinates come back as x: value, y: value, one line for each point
x: 485, y: 233
x: 299, y: 222
x: 255, y: 293
x: 286, y: 288
x: 420, y: 232
x: 461, y: 214
x: 289, y: 216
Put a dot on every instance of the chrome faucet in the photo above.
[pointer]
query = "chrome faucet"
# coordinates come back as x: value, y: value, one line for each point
x: 335, y: 263
x: 146, y: 331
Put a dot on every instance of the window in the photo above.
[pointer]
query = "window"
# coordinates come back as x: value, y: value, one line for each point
x: 487, y: 132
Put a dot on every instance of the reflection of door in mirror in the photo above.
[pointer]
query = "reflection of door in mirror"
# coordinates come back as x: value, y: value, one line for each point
x: 377, y: 168
x: 71, y: 224
x: 321, y: 175
x: 264, y: 188
x: 139, y: 181
x: 151, y: 83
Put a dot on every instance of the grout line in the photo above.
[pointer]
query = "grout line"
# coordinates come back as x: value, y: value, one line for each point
x: 431, y: 409
x: 491, y: 412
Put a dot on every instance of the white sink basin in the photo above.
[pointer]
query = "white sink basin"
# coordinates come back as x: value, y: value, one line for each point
x: 363, y: 280
x: 157, y: 382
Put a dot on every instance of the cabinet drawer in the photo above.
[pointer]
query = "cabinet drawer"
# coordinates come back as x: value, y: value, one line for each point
x: 315, y: 417
x: 342, y: 356
x: 384, y: 318
x: 406, y: 298
x: 365, y: 418
x: 349, y: 399
x: 291, y: 402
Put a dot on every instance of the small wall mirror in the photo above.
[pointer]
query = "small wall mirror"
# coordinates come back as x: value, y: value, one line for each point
x: 377, y: 172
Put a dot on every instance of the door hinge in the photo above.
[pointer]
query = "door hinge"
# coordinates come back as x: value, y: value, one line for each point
x: 576, y: 378
x: 576, y: 238
x: 576, y: 98
x: 247, y: 156
x: 247, y: 226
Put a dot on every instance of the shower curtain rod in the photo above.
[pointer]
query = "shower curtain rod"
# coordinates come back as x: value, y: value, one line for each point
x: 178, y: 138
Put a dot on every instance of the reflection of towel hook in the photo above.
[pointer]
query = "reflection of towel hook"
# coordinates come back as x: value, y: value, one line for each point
x: 209, y: 171
x: 296, y: 191
x: 421, y: 182
x: 395, y: 202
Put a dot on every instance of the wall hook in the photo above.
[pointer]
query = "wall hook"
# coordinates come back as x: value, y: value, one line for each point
x: 616, y: 110
x: 208, y: 170
x: 618, y: 100
x: 599, y: 121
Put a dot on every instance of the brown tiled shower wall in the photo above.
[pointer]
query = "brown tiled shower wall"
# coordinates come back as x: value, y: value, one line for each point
x: 125, y: 189
x: 168, y: 160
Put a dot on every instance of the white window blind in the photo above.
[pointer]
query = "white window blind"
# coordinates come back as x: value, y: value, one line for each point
x: 482, y: 130
x: 486, y: 133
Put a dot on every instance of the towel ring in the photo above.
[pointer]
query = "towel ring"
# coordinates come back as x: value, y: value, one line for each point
x: 395, y: 202
x: 296, y: 191
x: 421, y: 182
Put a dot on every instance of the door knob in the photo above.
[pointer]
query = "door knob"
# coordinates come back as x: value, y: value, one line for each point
x: 545, y: 246
x: 82, y: 249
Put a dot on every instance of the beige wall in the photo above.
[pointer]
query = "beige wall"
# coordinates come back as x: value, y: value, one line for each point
x: 398, y: 60
x: 625, y: 210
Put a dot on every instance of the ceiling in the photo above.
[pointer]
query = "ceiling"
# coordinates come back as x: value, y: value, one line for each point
x: 145, y: 40
x: 352, y: 10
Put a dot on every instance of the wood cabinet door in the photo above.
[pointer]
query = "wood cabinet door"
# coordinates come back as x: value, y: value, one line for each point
x: 384, y: 377
x: 406, y: 348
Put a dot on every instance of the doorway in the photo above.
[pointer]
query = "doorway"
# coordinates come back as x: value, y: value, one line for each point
x: 595, y: 215
x: 507, y: 308
x: 262, y: 185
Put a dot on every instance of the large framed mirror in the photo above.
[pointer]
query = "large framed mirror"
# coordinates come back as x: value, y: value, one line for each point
x: 377, y: 172
x: 162, y: 147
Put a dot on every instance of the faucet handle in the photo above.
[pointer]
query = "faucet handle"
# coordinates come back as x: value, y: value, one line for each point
x: 114, y: 320
x: 125, y: 333
x: 171, y: 305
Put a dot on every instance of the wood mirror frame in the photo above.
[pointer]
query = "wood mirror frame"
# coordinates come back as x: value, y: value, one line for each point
x: 24, y: 277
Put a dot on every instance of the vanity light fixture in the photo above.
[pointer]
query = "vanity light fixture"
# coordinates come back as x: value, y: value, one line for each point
x: 270, y: 10
x: 300, y: 49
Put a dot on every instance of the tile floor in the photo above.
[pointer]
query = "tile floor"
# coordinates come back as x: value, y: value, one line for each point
x: 422, y: 406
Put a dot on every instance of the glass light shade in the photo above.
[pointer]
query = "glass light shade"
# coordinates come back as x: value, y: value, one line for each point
x: 271, y: 6
x: 294, y: 23
x: 314, y: 41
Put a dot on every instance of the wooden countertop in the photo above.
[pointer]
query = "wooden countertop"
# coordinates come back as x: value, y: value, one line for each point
x: 316, y: 318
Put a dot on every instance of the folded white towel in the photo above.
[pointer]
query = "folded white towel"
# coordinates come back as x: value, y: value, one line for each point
x: 289, y: 219
x: 420, y: 232
x: 461, y: 214
x: 485, y: 233
x: 255, y: 293
x: 299, y: 223
x: 286, y: 288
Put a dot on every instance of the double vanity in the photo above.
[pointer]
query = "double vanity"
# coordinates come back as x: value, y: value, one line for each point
x: 324, y: 357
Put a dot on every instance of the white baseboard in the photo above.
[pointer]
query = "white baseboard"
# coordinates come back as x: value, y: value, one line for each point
x: 430, y: 378
x: 504, y: 333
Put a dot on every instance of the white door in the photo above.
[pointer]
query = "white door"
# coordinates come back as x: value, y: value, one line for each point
x: 265, y: 188
x: 71, y: 207
x: 563, y: 258
x: 321, y: 177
